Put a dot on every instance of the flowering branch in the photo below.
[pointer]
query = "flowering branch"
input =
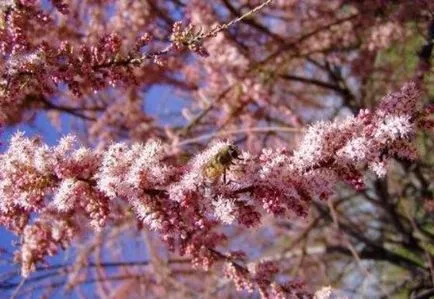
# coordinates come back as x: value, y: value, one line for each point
x: 26, y: 67
x: 50, y: 195
x: 182, y: 202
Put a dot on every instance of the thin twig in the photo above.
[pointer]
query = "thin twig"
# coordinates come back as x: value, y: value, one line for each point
x: 17, y: 290
x: 213, y: 32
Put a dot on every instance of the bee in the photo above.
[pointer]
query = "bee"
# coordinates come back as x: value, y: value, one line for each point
x: 222, y: 161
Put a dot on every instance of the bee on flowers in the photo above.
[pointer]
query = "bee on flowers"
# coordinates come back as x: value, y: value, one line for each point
x: 221, y: 162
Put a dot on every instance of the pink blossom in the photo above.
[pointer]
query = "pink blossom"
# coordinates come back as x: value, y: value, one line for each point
x: 41, y: 239
x: 256, y: 72
x: 181, y: 202
x: 224, y: 210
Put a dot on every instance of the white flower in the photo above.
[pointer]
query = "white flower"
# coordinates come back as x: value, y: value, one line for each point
x: 355, y: 150
x: 394, y: 127
x: 224, y: 210
x: 379, y: 168
x: 146, y: 214
x: 65, y: 144
x: 66, y: 195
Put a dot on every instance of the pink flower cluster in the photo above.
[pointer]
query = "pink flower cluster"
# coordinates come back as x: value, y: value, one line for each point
x: 33, y: 69
x: 188, y: 38
x: 182, y: 202
x: 261, y: 275
x: 43, y: 238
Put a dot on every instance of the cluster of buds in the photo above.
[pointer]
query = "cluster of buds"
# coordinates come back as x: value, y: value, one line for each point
x: 189, y: 37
